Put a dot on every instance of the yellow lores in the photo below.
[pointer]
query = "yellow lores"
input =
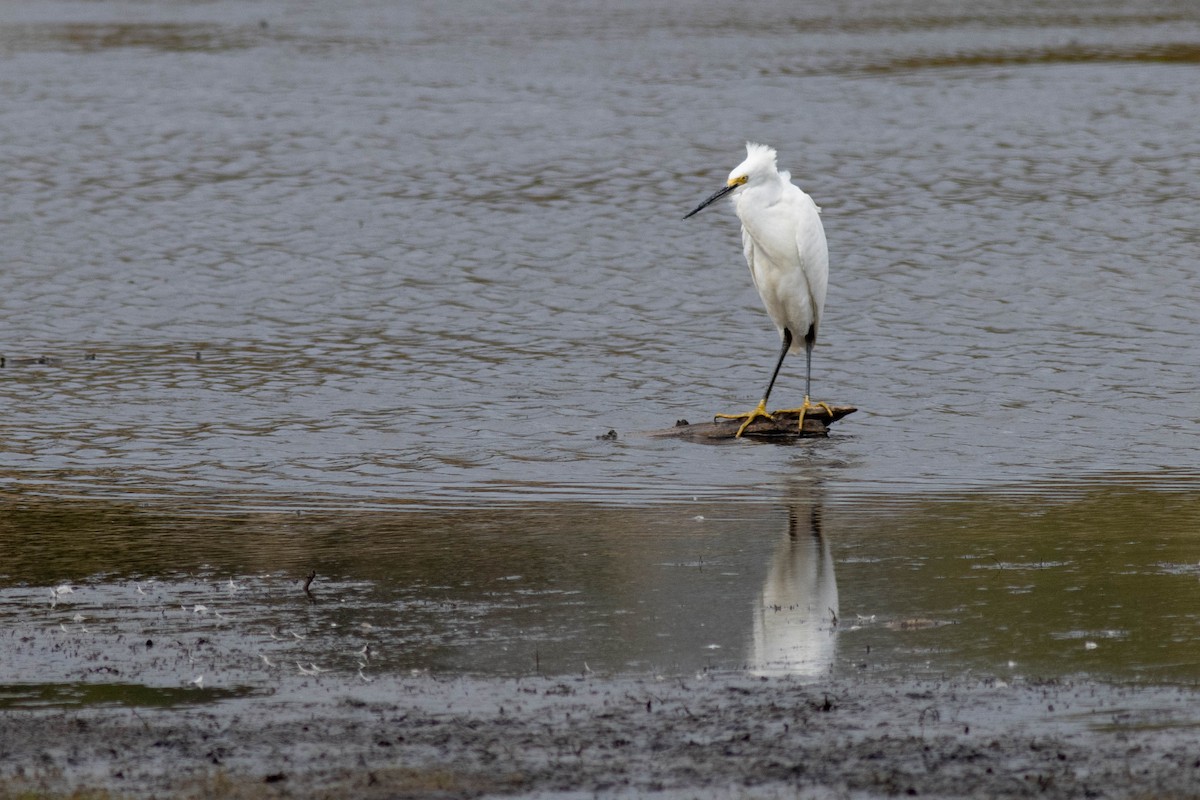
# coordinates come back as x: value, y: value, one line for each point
x: 784, y: 245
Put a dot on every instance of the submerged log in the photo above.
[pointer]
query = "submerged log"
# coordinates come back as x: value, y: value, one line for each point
x: 39, y: 361
x: 782, y: 428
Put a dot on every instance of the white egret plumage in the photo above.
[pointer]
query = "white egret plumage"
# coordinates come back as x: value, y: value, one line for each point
x: 784, y: 244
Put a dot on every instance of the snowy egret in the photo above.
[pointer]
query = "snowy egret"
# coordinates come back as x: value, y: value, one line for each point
x: 784, y: 245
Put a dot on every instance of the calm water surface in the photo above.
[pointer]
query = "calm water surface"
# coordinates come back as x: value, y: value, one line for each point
x: 273, y: 273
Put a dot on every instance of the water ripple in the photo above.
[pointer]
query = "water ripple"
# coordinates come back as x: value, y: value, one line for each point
x: 430, y: 255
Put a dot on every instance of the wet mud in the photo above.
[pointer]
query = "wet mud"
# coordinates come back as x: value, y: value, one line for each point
x: 721, y: 735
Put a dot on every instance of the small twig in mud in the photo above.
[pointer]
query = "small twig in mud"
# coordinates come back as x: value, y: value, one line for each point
x: 308, y: 583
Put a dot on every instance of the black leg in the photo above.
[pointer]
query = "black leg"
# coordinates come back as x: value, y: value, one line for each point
x: 808, y: 369
x: 761, y: 411
x: 809, y: 339
x: 787, y: 342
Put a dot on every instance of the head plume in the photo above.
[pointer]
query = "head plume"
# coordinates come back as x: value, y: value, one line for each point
x: 760, y: 153
x: 760, y: 161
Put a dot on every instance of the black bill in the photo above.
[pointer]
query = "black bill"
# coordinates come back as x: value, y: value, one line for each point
x: 716, y: 196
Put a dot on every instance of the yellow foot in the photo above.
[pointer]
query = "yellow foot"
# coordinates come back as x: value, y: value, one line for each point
x: 804, y: 409
x: 759, y: 412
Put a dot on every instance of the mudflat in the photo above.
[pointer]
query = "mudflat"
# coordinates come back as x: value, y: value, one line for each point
x: 707, y: 735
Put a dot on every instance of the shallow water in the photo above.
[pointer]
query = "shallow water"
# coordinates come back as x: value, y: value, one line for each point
x: 1098, y: 579
x: 290, y: 264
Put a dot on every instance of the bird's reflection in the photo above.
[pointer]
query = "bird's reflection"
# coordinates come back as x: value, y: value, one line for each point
x: 795, y: 623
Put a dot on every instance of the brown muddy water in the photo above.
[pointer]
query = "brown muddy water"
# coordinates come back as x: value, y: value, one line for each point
x: 1094, y: 580
x: 354, y: 288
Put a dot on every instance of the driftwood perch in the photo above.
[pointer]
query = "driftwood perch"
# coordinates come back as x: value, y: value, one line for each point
x: 784, y: 427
